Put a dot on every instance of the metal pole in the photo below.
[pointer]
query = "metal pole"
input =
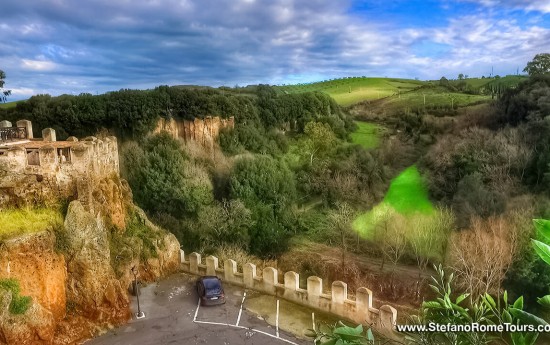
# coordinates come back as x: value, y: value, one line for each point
x: 139, y: 313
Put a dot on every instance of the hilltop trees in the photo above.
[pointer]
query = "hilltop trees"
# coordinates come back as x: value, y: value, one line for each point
x: 539, y: 65
x: 4, y: 93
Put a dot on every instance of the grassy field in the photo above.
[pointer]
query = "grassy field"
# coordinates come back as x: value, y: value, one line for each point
x: 507, y: 81
x: 348, y: 91
x: 367, y: 134
x: 16, y: 222
x: 427, y: 98
x: 407, y: 195
x: 8, y: 105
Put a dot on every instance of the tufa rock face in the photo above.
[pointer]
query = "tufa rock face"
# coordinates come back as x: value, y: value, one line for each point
x: 41, y: 272
x: 91, y: 284
x: 204, y: 131
x: 36, y: 326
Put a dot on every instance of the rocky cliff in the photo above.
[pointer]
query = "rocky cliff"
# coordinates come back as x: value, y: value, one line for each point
x: 204, y: 131
x: 78, y: 275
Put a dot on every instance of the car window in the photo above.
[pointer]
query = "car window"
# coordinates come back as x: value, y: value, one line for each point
x: 212, y: 286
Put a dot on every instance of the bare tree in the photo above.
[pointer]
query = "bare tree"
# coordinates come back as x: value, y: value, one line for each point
x: 482, y: 255
x: 340, y: 224
x: 428, y: 236
x: 390, y: 234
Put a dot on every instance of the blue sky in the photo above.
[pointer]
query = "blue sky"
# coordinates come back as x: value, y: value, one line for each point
x: 64, y: 46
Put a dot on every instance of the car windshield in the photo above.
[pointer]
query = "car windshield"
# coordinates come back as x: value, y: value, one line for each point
x: 212, y: 286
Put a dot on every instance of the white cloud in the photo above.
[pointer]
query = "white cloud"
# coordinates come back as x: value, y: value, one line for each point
x: 37, y: 65
x: 526, y: 5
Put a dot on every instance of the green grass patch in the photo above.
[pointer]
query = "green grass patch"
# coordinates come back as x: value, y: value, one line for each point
x: 17, y: 222
x: 407, y: 195
x: 19, y: 304
x: 8, y: 105
x: 367, y: 134
x: 348, y: 91
x: 427, y: 99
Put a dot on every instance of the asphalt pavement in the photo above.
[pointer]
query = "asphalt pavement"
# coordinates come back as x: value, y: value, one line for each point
x: 173, y: 316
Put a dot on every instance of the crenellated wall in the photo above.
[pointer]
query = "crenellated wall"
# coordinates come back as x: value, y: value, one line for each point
x: 38, y: 171
x: 337, y: 301
x: 204, y: 131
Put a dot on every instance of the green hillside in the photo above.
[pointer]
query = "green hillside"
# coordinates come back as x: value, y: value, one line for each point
x: 367, y: 134
x: 8, y: 105
x: 347, y: 91
x: 427, y: 98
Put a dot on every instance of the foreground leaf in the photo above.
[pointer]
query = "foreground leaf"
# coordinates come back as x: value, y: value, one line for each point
x: 543, y: 250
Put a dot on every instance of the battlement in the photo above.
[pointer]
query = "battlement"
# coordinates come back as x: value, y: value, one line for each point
x: 38, y: 169
x: 20, y: 152
x: 336, y: 301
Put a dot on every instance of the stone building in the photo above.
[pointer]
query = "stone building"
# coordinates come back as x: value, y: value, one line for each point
x: 35, y: 170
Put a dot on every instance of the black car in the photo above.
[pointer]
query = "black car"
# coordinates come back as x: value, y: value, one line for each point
x: 210, y: 290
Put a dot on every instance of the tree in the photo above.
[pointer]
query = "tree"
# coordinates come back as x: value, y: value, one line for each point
x: 539, y: 65
x: 320, y: 139
x: 340, y: 224
x: 460, y: 76
x: 481, y: 255
x: 4, y: 93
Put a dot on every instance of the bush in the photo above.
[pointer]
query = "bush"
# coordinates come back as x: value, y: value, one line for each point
x: 163, y: 179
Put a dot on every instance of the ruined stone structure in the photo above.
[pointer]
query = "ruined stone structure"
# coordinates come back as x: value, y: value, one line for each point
x: 36, y: 170
x: 204, y: 131
x: 337, y: 302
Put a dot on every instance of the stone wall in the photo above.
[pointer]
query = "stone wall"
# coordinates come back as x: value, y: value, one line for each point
x: 337, y: 301
x: 31, y: 174
x: 204, y: 131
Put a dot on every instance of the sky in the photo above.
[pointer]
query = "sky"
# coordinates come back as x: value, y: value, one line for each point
x: 95, y: 46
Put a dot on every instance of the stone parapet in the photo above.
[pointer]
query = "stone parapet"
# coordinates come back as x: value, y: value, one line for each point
x: 337, y: 301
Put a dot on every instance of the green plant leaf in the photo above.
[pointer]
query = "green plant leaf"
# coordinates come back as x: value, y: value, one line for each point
x: 330, y: 342
x: 462, y: 298
x: 527, y: 318
x: 518, y: 304
x: 490, y: 300
x: 370, y: 337
x: 531, y: 338
x: 543, y: 250
x: 431, y: 305
x: 543, y: 227
x: 506, y: 316
x: 348, y: 333
x: 517, y: 338
x: 544, y: 301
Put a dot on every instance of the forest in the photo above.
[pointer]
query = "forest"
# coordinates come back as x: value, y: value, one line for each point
x: 290, y: 185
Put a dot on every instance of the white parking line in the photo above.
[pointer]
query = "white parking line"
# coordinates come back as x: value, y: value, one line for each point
x: 277, y: 320
x: 241, y: 310
x: 242, y: 327
x: 197, y: 311
x: 248, y: 328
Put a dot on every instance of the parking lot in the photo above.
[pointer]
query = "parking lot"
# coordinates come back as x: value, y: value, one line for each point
x: 173, y: 316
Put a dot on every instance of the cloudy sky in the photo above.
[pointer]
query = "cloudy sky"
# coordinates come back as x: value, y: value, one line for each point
x: 72, y: 46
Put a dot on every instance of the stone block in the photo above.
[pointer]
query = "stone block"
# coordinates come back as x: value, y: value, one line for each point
x: 48, y: 134
x: 292, y: 281
x: 28, y: 125
x: 249, y: 274
x: 314, y: 286
x: 211, y: 265
x: 339, y: 292
x: 194, y: 261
